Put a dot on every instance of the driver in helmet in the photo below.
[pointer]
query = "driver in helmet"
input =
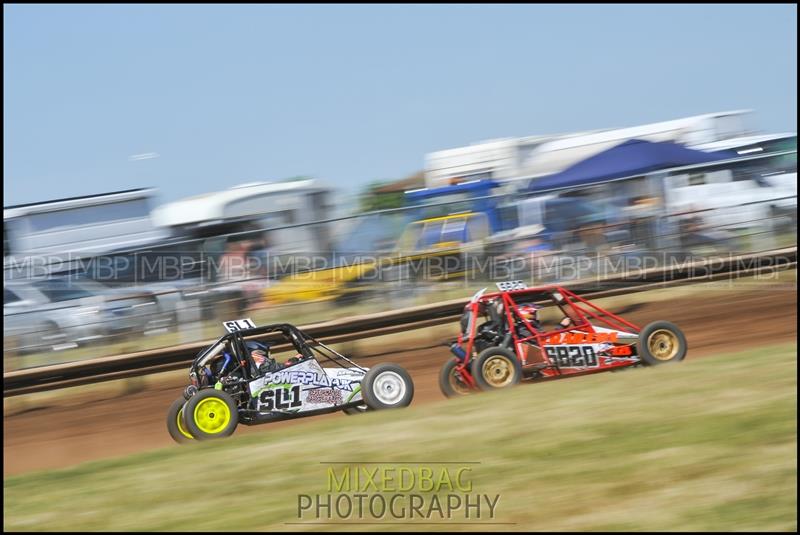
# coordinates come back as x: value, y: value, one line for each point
x: 530, y: 312
x: 262, y: 360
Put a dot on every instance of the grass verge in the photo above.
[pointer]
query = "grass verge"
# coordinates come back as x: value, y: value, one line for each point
x: 708, y: 445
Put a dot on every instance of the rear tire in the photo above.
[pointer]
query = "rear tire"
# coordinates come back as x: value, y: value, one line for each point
x: 387, y: 386
x: 496, y: 368
x: 210, y: 414
x: 175, y: 426
x: 661, y: 342
x: 450, y: 383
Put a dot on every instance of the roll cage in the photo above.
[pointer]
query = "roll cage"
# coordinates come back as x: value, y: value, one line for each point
x: 303, y: 343
x: 577, y: 309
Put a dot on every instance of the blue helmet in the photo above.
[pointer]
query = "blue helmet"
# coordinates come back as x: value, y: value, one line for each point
x: 253, y: 346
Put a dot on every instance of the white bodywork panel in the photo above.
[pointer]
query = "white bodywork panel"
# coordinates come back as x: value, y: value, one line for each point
x: 306, y: 386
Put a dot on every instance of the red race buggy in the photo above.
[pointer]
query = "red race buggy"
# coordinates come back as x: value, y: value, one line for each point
x: 547, y: 332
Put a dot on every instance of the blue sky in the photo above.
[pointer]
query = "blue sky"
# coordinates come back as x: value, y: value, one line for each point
x: 349, y: 93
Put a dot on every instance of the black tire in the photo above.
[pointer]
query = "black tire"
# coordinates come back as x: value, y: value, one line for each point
x: 449, y: 382
x: 358, y: 409
x: 175, y: 422
x: 496, y: 368
x: 210, y: 414
x: 387, y: 386
x: 661, y: 342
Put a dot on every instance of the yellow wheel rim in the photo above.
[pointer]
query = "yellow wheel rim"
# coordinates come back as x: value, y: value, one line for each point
x: 458, y: 386
x: 663, y: 344
x: 498, y: 372
x: 179, y: 422
x: 212, y: 415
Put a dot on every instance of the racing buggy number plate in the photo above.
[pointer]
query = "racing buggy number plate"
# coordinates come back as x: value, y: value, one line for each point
x: 238, y: 325
x: 507, y: 286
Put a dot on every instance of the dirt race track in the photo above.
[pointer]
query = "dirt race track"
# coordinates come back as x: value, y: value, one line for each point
x: 93, y: 426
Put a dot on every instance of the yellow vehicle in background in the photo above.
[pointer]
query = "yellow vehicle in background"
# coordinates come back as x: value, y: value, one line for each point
x: 454, y: 231
x: 321, y: 284
x: 439, y: 241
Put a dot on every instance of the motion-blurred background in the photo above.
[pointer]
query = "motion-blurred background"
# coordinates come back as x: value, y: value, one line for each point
x: 112, y: 272
x: 167, y: 167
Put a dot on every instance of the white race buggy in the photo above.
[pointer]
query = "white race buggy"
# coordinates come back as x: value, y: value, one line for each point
x: 228, y: 388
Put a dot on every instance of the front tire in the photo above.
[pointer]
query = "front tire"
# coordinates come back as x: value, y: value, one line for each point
x: 387, y: 386
x: 661, y: 342
x: 450, y: 383
x: 496, y: 368
x: 210, y: 414
x: 175, y: 425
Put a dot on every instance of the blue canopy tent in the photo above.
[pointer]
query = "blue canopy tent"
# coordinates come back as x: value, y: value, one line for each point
x: 631, y: 158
